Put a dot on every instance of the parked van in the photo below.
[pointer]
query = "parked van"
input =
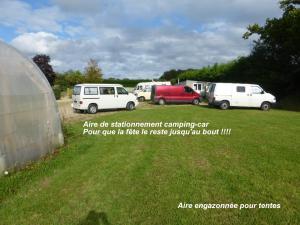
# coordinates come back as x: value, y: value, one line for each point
x: 93, y: 97
x: 143, y: 89
x: 174, y: 94
x: 226, y: 95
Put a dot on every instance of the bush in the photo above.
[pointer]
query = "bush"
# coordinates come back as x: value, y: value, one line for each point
x: 69, y: 92
x: 57, y: 92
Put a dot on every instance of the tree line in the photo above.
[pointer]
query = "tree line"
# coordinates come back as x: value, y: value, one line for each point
x: 274, y: 61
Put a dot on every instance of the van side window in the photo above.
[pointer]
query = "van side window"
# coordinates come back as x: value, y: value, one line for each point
x: 107, y: 90
x: 256, y: 90
x: 91, y: 91
x: 121, y: 91
x: 240, y: 89
x: 188, y: 89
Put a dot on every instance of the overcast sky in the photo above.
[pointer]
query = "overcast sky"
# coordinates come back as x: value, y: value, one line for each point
x: 132, y: 38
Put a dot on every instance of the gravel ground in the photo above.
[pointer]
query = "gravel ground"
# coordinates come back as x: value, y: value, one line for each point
x: 67, y: 114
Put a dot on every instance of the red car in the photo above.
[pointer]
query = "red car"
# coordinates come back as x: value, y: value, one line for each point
x: 174, y: 94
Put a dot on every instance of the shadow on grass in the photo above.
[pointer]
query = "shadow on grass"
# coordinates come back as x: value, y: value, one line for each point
x: 94, y: 218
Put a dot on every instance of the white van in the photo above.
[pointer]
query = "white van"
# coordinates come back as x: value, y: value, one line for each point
x: 143, y: 89
x: 93, y: 97
x: 226, y: 95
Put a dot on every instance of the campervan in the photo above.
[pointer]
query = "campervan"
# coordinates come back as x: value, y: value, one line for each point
x: 143, y: 89
x: 94, y: 97
x: 226, y: 95
x: 174, y: 94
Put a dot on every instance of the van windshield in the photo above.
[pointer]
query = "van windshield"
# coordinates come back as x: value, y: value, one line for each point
x: 76, y: 90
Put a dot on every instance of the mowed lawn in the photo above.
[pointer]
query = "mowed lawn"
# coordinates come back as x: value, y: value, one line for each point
x: 142, y: 179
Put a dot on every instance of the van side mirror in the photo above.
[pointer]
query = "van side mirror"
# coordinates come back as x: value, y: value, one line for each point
x: 262, y: 92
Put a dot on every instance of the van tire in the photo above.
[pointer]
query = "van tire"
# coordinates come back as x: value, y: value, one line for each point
x: 196, y: 101
x: 224, y: 105
x: 141, y: 99
x: 130, y: 106
x: 265, y: 106
x: 92, y: 109
x: 161, y: 101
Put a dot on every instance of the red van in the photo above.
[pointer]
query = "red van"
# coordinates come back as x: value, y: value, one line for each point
x: 174, y: 94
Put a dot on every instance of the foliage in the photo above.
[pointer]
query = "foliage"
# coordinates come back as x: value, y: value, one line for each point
x: 273, y: 63
x: 93, y: 73
x: 57, y: 91
x: 277, y: 51
x: 70, y: 78
x: 172, y: 74
x: 43, y: 62
x: 125, y: 82
x: 69, y: 92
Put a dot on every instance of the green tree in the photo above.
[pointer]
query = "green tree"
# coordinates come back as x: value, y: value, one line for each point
x: 74, y: 77
x: 93, y: 73
x: 278, y: 47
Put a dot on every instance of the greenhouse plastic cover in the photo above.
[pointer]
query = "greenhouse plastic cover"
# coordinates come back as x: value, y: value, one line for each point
x: 30, y: 125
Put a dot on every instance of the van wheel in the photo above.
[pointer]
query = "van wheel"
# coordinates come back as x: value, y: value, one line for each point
x: 196, y: 101
x: 224, y: 105
x: 141, y: 99
x: 92, y: 109
x: 265, y: 106
x: 130, y: 106
x: 161, y: 101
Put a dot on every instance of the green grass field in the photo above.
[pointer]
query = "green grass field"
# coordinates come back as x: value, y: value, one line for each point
x: 142, y: 179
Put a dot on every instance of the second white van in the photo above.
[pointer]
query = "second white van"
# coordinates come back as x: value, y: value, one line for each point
x: 143, y: 89
x: 226, y: 95
x: 94, y: 97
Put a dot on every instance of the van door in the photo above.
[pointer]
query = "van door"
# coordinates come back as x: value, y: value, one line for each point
x: 256, y: 96
x: 121, y: 97
x: 240, y: 96
x: 107, y: 98
x: 188, y: 95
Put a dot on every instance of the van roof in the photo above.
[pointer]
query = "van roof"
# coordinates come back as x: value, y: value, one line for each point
x: 104, y: 85
x: 233, y: 83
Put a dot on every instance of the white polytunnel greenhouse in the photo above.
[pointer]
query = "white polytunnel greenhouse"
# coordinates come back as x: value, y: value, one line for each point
x: 30, y: 125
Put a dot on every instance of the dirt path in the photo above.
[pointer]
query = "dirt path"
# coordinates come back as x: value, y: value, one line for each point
x: 68, y: 116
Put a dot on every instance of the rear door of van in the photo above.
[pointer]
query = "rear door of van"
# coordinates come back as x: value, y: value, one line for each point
x: 76, y: 96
